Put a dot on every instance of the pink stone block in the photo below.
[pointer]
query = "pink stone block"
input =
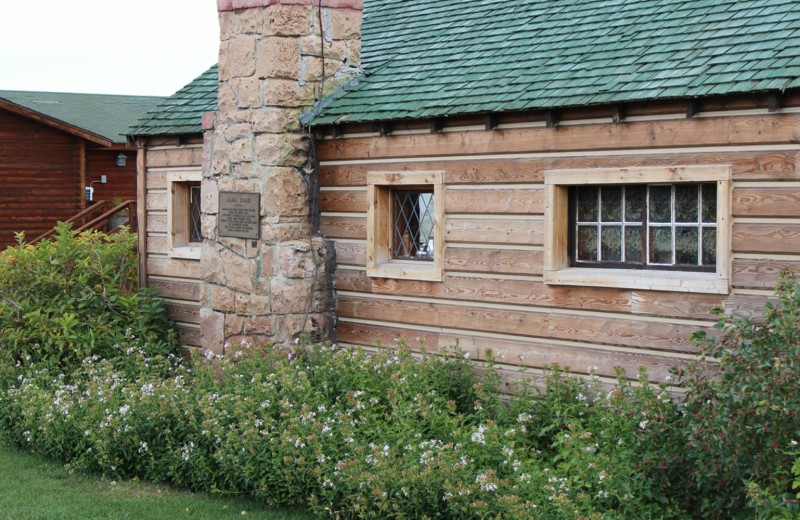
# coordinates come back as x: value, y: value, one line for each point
x: 208, y: 120
x: 230, y: 5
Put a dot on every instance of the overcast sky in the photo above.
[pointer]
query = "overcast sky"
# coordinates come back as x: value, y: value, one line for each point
x: 142, y: 47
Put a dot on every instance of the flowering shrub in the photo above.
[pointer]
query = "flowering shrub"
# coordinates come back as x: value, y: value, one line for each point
x: 350, y: 434
x: 76, y: 295
x: 391, y: 435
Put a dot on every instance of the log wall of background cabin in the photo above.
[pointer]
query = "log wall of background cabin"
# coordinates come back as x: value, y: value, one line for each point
x: 120, y: 180
x: 39, y: 177
x: 177, y: 279
x: 493, y: 296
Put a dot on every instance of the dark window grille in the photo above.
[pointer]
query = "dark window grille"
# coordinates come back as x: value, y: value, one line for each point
x: 413, y: 224
x: 644, y: 226
x: 195, y: 226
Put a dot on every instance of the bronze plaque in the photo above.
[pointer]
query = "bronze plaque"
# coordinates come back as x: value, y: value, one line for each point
x: 238, y: 214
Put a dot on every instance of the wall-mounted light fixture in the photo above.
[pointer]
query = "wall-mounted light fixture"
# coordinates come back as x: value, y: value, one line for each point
x: 122, y: 159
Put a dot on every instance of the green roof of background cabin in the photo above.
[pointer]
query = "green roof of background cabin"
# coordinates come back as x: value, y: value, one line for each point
x: 182, y: 112
x: 105, y: 115
x: 434, y: 58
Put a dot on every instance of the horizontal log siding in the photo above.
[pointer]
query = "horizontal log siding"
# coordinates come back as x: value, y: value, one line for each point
x: 39, y: 177
x: 177, y: 279
x: 492, y: 295
x: 120, y: 180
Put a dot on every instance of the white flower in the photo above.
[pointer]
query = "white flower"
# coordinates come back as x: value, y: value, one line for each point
x: 426, y: 458
x: 484, y: 483
x: 477, y: 437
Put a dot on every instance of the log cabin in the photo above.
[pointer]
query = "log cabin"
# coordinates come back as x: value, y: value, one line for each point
x: 54, y: 145
x: 169, y: 141
x: 575, y: 183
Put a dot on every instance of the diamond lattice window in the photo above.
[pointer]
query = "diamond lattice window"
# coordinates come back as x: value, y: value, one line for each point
x: 413, y: 224
x: 195, y: 227
x: 404, y: 225
x: 184, y: 214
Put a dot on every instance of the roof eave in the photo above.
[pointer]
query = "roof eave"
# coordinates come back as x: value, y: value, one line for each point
x: 56, y: 123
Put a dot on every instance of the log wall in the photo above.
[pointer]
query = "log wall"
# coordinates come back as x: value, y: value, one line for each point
x: 39, y: 177
x: 177, y: 279
x: 492, y: 294
x: 120, y: 180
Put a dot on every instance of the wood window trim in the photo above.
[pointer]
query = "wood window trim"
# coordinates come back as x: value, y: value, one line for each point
x: 178, y: 184
x: 380, y: 263
x: 557, y: 269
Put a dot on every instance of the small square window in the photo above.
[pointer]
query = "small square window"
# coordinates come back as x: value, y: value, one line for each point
x: 404, y: 225
x: 184, y: 222
x: 665, y: 229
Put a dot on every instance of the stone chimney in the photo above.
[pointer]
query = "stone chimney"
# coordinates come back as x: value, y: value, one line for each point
x: 267, y: 270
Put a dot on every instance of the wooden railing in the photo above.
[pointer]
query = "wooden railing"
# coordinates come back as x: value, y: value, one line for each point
x: 99, y: 217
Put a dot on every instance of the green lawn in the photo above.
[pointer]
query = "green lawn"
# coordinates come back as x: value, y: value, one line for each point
x: 33, y: 488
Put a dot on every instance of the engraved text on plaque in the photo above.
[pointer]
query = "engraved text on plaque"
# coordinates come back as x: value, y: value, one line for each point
x: 238, y: 214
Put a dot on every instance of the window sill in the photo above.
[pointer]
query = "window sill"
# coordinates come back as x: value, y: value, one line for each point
x: 187, y: 252
x: 425, y: 271
x: 675, y: 281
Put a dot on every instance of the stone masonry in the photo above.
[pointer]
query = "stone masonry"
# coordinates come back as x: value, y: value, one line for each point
x: 271, y: 61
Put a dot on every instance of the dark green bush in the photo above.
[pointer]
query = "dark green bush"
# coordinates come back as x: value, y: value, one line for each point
x: 740, y: 426
x: 74, y: 296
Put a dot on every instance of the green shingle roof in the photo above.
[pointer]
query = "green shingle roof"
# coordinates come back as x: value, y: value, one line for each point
x: 182, y: 112
x: 432, y: 58
x: 108, y: 116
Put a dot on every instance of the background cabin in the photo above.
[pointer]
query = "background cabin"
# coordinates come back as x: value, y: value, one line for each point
x: 53, y: 146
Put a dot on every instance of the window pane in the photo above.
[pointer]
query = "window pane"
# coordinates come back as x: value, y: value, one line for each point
x: 660, y: 203
x: 587, y: 204
x: 426, y: 213
x: 709, y: 202
x: 611, y: 243
x: 195, y: 226
x: 686, y: 245
x: 633, y: 244
x: 413, y: 224
x: 652, y: 226
x: 611, y: 204
x: 686, y: 203
x: 587, y: 243
x: 709, y: 246
x: 660, y: 245
x: 634, y: 201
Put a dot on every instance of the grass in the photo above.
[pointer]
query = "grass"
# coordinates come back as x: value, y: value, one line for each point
x: 33, y: 488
